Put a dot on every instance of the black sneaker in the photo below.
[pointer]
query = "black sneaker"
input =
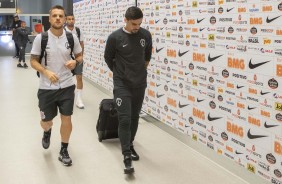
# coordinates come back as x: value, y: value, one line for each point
x: 65, y: 158
x: 46, y: 139
x: 128, y: 168
x: 25, y: 65
x: 134, y: 155
x: 19, y: 65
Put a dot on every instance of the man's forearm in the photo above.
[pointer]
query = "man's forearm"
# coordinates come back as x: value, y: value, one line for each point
x: 34, y: 62
x: 79, y: 58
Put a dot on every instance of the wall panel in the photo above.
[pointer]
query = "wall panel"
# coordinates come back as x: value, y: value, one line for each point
x: 215, y: 76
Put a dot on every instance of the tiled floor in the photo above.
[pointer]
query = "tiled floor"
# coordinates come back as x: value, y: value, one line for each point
x: 164, y: 159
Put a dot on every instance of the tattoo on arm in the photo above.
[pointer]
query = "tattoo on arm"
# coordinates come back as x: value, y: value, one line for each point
x: 34, y: 57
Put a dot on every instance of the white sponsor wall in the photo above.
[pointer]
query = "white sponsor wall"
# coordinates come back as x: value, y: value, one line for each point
x: 215, y: 74
x: 98, y: 19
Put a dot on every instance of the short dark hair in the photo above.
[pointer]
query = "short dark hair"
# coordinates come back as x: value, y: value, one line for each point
x: 56, y: 7
x: 133, y: 13
x: 69, y: 14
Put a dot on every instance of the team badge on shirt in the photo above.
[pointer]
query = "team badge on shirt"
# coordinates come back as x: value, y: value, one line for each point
x: 142, y: 42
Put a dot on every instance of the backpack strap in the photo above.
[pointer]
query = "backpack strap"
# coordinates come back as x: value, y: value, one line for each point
x: 44, y: 41
x: 71, y: 43
x: 78, y: 32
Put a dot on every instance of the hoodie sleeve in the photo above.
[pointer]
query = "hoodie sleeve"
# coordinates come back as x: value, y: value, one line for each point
x: 110, y: 51
x: 148, y: 51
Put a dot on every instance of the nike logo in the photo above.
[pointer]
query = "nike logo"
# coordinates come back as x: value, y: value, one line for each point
x: 238, y: 153
x: 264, y: 93
x: 251, y: 136
x: 213, y: 118
x: 125, y: 45
x: 173, y: 119
x: 159, y: 96
x: 181, y: 105
x: 251, y: 108
x: 239, y: 87
x: 186, y: 126
x: 162, y: 28
x: 199, y: 21
x: 253, y: 66
x: 158, y: 85
x: 158, y: 50
x: 269, y: 126
x: 201, y: 29
x: 198, y: 100
x: 228, y: 10
x: 211, y: 59
x: 180, y: 54
x: 271, y: 20
x: 156, y: 21
x: 187, y: 73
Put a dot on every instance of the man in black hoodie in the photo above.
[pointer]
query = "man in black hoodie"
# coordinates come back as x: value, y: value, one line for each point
x: 22, y: 39
x: 16, y: 24
x: 127, y: 54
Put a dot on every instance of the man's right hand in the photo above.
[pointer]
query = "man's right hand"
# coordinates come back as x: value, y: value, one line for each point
x: 51, y: 76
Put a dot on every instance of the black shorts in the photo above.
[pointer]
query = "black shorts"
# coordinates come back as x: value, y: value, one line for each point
x: 51, y: 100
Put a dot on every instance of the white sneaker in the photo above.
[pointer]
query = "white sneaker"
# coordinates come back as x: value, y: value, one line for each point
x: 79, y: 104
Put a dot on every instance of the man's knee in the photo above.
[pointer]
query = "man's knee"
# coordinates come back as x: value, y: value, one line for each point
x: 46, y: 125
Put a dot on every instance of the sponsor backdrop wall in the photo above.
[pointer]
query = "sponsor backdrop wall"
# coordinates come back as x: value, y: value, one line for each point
x: 215, y: 75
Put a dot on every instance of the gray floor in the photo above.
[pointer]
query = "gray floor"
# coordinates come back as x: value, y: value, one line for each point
x: 164, y: 159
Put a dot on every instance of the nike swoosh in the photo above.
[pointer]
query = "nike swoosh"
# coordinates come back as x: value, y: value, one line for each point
x: 156, y: 21
x: 199, y: 21
x: 200, y: 100
x: 159, y: 96
x: 162, y: 28
x: 211, y: 59
x: 180, y: 54
x: 251, y: 108
x: 238, y: 87
x: 269, y: 126
x: 186, y: 73
x: 158, y: 50
x: 186, y: 126
x: 174, y: 119
x: 213, y: 118
x: 158, y: 85
x: 228, y: 10
x: 181, y: 106
x: 201, y: 29
x: 270, y: 20
x: 251, y: 136
x: 124, y: 45
x: 253, y: 66
x: 238, y: 153
x: 264, y: 93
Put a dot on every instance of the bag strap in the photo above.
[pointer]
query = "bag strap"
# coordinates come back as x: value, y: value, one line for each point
x: 44, y: 41
x: 71, y: 43
x: 78, y: 32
